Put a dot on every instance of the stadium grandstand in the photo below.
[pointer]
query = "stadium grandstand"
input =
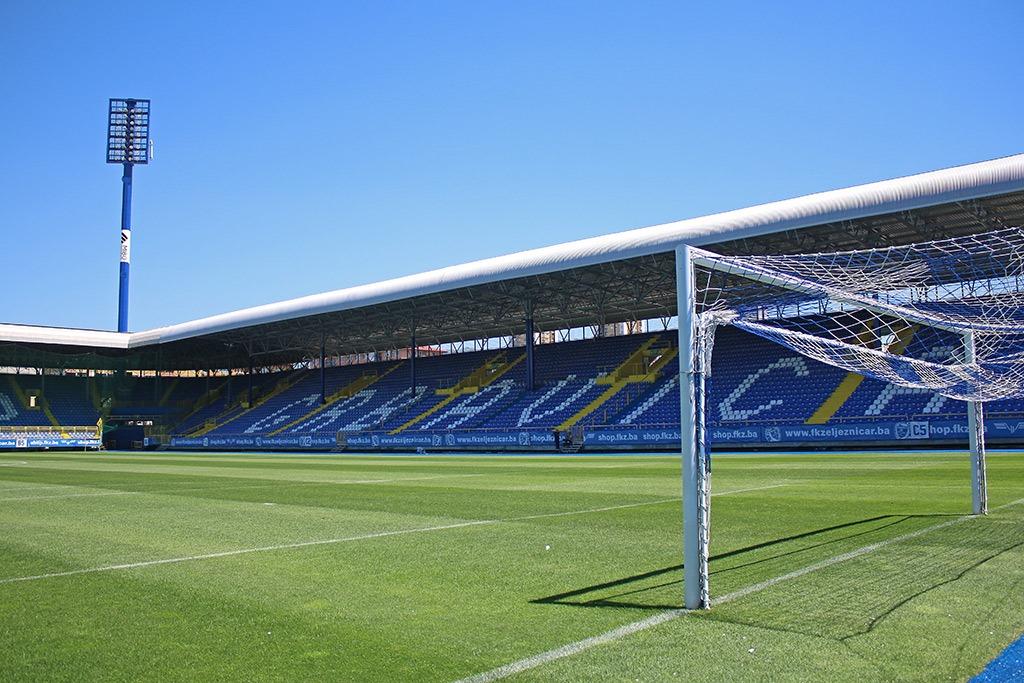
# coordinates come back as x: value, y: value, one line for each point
x: 564, y: 347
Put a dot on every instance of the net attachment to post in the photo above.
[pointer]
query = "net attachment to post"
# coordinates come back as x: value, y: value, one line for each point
x: 903, y: 315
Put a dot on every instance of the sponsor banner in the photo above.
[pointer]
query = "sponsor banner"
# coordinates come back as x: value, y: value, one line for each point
x: 512, y: 438
x: 300, y: 441
x: 374, y: 440
x: 455, y: 439
x: 865, y: 431
x: 47, y: 442
x: 385, y: 440
x: 888, y: 430
x: 622, y: 437
x: 610, y: 437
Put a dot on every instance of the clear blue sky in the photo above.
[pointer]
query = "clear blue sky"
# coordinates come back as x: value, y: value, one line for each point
x: 303, y: 147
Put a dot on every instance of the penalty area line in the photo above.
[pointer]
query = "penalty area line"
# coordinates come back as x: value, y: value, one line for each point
x: 670, y: 615
x: 292, y: 546
x: 233, y: 553
x: 333, y: 541
x: 636, y: 505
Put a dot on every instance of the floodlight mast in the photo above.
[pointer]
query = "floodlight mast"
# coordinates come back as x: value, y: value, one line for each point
x: 127, y: 144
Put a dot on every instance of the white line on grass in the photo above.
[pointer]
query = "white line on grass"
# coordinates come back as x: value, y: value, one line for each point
x: 669, y: 615
x: 344, y: 539
x: 232, y: 553
x: 635, y: 505
x: 752, y: 488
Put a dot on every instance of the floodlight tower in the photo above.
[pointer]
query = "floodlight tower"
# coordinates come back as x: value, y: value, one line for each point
x: 127, y: 144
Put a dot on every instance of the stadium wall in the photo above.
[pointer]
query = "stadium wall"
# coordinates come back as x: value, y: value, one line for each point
x: 916, y: 433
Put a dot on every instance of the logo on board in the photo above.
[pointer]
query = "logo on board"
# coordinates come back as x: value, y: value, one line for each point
x: 126, y: 246
x: 912, y: 430
x: 1011, y: 427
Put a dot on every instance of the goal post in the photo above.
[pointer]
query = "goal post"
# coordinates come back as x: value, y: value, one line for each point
x: 946, y: 316
x: 976, y: 441
x: 696, y: 487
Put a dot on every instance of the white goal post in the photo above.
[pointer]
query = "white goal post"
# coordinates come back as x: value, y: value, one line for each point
x: 947, y: 316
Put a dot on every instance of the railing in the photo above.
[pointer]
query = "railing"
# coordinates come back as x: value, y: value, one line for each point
x: 645, y: 425
x: 119, y: 404
x: 44, y: 429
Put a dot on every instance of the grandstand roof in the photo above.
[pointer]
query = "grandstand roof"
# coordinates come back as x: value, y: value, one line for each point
x: 620, y: 276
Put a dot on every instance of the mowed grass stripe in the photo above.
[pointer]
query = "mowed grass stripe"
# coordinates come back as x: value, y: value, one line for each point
x: 78, y: 472
x: 215, y: 487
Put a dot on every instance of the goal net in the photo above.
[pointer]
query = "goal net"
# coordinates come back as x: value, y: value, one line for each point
x: 946, y: 316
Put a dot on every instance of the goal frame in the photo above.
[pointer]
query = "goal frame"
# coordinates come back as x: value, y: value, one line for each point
x: 695, y: 341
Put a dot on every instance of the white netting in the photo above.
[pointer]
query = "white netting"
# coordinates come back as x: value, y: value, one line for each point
x: 945, y: 315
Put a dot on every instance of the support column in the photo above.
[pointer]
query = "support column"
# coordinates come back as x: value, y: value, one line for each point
x: 412, y: 363
x: 694, y: 457
x: 156, y: 381
x: 976, y: 439
x: 250, y: 381
x: 323, y: 371
x: 530, y: 372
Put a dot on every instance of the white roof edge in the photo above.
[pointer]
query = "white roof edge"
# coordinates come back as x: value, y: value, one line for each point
x: 35, y: 334
x: 959, y: 183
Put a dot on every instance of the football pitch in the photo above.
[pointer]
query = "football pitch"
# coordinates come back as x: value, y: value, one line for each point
x: 172, y: 566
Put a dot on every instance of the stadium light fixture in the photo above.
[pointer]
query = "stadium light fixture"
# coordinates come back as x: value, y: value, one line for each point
x: 127, y: 144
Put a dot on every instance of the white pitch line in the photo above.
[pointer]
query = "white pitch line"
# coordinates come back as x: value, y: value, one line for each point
x: 590, y: 510
x: 752, y: 488
x: 572, y: 648
x: 285, y: 546
x: 670, y: 615
x: 636, y: 505
x: 242, y: 551
x: 345, y: 539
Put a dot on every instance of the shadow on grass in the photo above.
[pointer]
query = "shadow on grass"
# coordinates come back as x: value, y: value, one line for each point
x: 577, y: 597
x: 865, y: 595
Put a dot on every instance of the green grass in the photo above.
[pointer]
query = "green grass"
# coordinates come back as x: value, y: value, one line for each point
x: 438, y: 568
